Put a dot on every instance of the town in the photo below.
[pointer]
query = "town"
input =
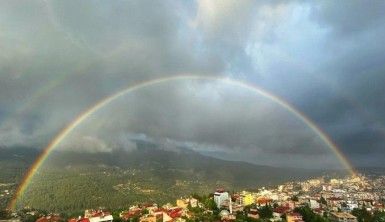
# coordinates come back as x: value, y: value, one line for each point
x: 353, y: 198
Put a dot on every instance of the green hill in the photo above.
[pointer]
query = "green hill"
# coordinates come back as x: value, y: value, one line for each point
x: 70, y: 180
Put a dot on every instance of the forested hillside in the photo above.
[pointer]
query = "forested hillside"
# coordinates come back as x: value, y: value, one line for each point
x: 71, y: 180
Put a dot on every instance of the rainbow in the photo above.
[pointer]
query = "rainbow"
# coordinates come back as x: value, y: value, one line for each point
x: 104, y: 102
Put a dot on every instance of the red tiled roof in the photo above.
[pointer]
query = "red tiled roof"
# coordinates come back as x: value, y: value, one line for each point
x: 294, y: 214
x: 49, y: 219
x: 176, y: 212
x: 253, y: 211
x: 42, y: 219
x: 173, y: 213
x: 100, y: 213
x: 83, y: 219
x: 160, y: 210
x: 130, y: 214
x: 263, y: 200
x: 281, y: 209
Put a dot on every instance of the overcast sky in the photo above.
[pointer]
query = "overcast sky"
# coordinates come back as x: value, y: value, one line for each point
x: 325, y: 58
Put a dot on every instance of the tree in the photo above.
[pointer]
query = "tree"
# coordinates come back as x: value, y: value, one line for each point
x: 308, y: 215
x: 241, y: 217
x: 145, y: 211
x: 30, y: 218
x: 196, y: 196
x: 210, y: 204
x: 362, y: 214
x: 117, y: 219
x: 266, y: 211
x: 379, y: 217
x: 294, y: 198
x: 323, y: 201
x: 134, y: 219
x: 4, y: 214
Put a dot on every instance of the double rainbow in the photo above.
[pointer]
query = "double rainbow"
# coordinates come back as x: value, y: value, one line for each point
x: 104, y: 102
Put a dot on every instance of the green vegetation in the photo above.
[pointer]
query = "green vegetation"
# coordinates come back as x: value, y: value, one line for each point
x: 323, y: 201
x: 13, y: 164
x: 61, y: 190
x: 309, y: 216
x: 294, y: 198
x: 242, y: 217
x: 4, y: 214
x: 378, y: 217
x: 364, y: 216
x: 70, y: 181
x: 266, y: 211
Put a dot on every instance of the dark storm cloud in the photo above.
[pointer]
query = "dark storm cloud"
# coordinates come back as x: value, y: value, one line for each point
x: 209, y: 116
x: 354, y: 64
x: 350, y: 17
x: 325, y: 58
x: 61, y: 57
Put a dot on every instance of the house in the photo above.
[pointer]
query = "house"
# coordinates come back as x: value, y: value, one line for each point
x: 94, y: 216
x: 80, y: 219
x: 165, y: 215
x: 378, y: 206
x: 319, y: 211
x: 226, y: 215
x: 220, y: 196
x: 148, y: 218
x: 350, y: 206
x: 232, y: 206
x: 126, y: 215
x: 96, y: 213
x: 313, y: 204
x: 281, y: 210
x: 253, y: 213
x: 263, y: 201
x: 49, y: 218
x: 246, y: 198
x: 183, y: 203
x: 151, y: 208
x: 334, y: 201
x: 294, y: 217
x: 193, y: 202
x: 101, y: 218
x: 342, y: 217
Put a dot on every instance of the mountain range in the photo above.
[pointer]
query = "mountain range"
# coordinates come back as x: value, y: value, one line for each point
x: 73, y: 180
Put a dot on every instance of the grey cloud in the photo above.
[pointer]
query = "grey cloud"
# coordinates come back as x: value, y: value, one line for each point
x: 350, y: 17
x: 67, y: 57
x: 208, y: 116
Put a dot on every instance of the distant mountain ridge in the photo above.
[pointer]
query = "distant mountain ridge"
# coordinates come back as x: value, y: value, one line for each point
x: 149, y: 156
x: 72, y: 180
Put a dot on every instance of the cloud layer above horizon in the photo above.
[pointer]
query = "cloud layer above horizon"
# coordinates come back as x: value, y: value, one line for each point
x: 324, y: 58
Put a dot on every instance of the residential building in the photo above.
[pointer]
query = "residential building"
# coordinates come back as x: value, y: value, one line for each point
x: 313, y: 204
x: 342, y: 217
x: 294, y: 217
x: 253, y: 213
x: 246, y: 198
x: 220, y: 196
